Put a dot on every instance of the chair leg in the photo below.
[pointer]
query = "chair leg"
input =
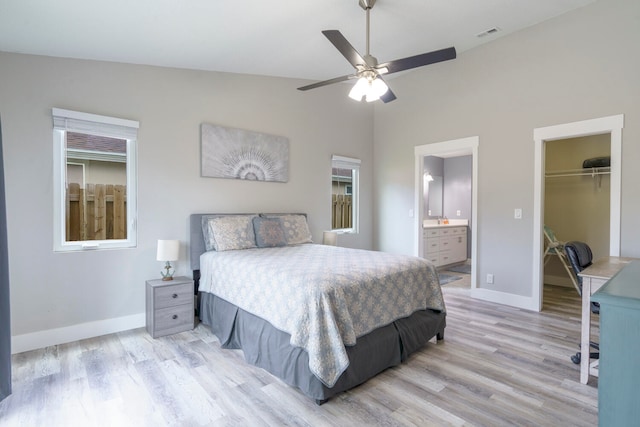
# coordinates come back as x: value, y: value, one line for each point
x: 576, y: 358
x: 570, y: 272
x: 595, y: 355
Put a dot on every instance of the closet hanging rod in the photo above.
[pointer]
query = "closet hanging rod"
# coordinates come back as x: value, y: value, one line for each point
x: 579, y: 172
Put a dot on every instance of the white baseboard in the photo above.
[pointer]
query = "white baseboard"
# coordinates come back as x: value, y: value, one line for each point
x: 519, y: 301
x: 40, y: 339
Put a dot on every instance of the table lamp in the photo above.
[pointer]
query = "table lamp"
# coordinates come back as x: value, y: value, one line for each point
x: 330, y: 238
x: 168, y: 251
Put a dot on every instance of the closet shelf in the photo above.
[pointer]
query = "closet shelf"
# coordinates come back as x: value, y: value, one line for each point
x: 593, y: 172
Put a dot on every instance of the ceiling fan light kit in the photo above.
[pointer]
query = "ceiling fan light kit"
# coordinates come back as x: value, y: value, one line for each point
x: 370, y: 85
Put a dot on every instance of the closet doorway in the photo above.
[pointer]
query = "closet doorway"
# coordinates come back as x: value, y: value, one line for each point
x: 576, y: 198
x: 594, y: 132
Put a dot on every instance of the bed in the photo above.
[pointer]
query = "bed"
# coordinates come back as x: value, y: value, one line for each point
x: 322, y: 318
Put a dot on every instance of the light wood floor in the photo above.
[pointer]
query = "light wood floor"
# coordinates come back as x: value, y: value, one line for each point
x: 497, y: 366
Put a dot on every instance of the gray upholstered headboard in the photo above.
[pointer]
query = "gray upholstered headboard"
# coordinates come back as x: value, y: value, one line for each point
x: 196, y: 240
x: 196, y: 237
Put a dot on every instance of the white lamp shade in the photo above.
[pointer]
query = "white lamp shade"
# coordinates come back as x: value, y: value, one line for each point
x: 168, y: 250
x: 377, y: 88
x: 359, y: 89
x: 330, y: 238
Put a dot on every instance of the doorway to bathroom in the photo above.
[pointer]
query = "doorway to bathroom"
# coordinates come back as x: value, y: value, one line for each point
x: 430, y: 161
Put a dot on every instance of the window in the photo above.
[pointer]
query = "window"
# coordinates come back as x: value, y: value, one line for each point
x: 344, y: 193
x: 94, y: 181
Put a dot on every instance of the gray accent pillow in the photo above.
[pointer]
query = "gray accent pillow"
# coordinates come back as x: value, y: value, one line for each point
x: 226, y: 233
x: 269, y: 232
x: 296, y: 229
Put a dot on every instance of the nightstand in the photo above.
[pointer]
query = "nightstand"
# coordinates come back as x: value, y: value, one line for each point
x: 169, y: 306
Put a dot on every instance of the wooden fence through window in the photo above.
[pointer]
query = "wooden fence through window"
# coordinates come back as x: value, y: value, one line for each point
x: 97, y: 212
x: 341, y: 213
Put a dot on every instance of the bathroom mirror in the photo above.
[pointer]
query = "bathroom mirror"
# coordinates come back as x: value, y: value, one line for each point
x: 434, y: 198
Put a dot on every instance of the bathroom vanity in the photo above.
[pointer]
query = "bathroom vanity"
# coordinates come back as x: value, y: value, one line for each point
x: 445, y: 244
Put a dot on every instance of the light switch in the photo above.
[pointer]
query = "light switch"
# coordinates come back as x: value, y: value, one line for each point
x: 517, y: 213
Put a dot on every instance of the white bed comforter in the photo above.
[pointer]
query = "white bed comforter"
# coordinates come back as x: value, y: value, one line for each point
x: 323, y: 296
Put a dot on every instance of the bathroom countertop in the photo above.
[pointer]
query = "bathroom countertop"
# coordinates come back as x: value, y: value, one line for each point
x: 433, y: 223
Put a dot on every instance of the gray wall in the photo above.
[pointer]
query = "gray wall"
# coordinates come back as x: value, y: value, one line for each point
x: 5, y: 318
x: 457, y: 191
x: 63, y: 290
x: 457, y: 187
x: 577, y: 66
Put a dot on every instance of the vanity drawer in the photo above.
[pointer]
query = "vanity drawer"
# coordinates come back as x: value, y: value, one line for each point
x: 456, y: 231
x: 430, y: 232
x: 434, y: 258
x: 445, y: 258
x: 445, y: 231
x: 447, y: 242
x: 432, y: 245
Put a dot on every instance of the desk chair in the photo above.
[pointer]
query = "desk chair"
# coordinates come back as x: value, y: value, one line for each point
x: 554, y: 247
x: 581, y: 257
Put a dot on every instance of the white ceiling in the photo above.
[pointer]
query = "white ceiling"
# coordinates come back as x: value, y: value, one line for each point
x: 273, y: 38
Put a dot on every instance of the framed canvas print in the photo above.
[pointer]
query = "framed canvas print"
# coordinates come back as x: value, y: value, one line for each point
x: 241, y: 154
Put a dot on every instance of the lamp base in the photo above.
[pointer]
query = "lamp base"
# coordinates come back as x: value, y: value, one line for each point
x: 168, y: 275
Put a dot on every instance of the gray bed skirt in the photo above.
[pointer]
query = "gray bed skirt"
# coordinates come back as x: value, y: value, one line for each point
x: 267, y: 347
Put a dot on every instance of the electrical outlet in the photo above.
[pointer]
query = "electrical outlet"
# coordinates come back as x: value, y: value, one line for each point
x: 458, y: 213
x: 490, y: 278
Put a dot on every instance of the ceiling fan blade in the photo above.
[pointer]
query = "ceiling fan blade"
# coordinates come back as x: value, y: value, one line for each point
x: 418, y: 60
x: 327, y: 82
x: 388, y: 96
x: 345, y: 48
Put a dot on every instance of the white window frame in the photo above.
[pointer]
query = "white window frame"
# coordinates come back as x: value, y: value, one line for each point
x: 92, y: 124
x: 342, y: 162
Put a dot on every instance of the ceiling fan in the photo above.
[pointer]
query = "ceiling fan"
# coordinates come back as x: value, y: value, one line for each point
x: 371, y: 85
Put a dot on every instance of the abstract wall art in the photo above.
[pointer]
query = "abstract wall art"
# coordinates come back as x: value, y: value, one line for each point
x: 241, y: 154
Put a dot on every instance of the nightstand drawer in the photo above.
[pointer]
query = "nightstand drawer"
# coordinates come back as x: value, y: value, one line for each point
x: 172, y: 295
x: 172, y: 320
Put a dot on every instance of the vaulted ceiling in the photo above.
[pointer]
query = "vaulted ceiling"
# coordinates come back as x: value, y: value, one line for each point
x: 273, y: 38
